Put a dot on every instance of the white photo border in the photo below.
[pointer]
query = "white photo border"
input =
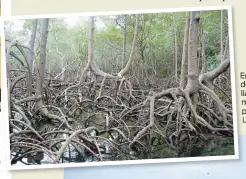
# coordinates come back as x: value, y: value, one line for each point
x: 126, y: 162
x: 6, y: 7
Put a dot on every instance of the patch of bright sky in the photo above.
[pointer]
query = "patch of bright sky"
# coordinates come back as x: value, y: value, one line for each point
x: 17, y: 25
x: 73, y: 21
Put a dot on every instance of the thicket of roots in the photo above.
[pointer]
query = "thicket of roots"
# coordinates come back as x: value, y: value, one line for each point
x: 114, y: 119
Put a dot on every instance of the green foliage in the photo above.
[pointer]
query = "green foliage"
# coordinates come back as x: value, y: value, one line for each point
x: 164, y: 73
x: 155, y: 40
x: 28, y: 24
x: 221, y: 95
x: 213, y: 62
x: 111, y: 34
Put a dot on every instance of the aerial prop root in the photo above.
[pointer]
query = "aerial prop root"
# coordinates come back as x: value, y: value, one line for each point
x: 179, y: 97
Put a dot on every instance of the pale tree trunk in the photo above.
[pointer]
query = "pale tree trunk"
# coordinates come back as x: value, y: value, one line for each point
x: 221, y: 38
x: 192, y: 51
x: 31, y: 56
x: 7, y: 54
x: 175, y: 48
x: 185, y: 54
x: 199, y: 57
x: 127, y: 67
x: 33, y: 66
x: 221, y: 43
x: 61, y: 56
x: 90, y: 57
x: 40, y: 76
x: 91, y: 40
x: 49, y: 68
x: 91, y: 65
x: 124, y: 41
x: 193, y: 84
x: 62, y: 64
x: 42, y: 60
x: 204, y: 63
x: 226, y: 51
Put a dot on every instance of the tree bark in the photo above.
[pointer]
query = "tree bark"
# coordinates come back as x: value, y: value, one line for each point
x: 221, y: 42
x: 175, y: 48
x: 42, y: 60
x: 127, y: 67
x: 124, y: 41
x: 193, y: 81
x: 204, y: 64
x: 185, y: 54
x: 31, y: 56
x: 60, y: 54
x: 221, y: 37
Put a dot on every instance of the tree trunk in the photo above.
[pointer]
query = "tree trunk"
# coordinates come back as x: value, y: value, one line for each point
x: 221, y: 42
x: 49, y: 69
x: 91, y: 40
x: 193, y: 81
x: 41, y: 67
x: 30, y: 57
x: 61, y: 56
x: 175, y: 48
x: 185, y: 54
x: 204, y: 64
x: 221, y: 38
x: 127, y: 67
x: 124, y: 41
